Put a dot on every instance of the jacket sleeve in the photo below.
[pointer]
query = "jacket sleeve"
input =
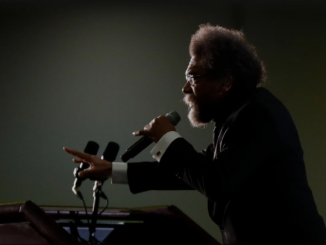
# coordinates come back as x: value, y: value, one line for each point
x: 248, y: 142
x: 145, y: 176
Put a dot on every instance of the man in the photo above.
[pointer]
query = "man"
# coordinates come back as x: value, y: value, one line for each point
x: 253, y: 173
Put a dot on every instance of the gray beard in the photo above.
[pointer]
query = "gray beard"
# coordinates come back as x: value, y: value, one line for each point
x: 194, y: 118
x: 198, y: 117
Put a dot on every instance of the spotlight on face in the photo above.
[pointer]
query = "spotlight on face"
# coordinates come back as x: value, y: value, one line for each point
x: 203, y: 93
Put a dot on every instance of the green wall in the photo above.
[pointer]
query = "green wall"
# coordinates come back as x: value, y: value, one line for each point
x: 73, y: 72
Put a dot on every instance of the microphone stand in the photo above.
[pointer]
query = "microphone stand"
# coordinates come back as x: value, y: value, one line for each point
x: 97, y: 190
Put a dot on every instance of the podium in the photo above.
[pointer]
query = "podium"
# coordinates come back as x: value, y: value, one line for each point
x: 26, y: 223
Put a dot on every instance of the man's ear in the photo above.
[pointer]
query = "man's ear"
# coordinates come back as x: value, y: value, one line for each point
x: 228, y: 83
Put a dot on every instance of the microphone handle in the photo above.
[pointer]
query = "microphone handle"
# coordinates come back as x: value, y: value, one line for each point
x: 141, y: 144
x: 136, y: 148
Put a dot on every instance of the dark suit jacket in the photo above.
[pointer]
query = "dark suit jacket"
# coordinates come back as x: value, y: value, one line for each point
x: 253, y: 175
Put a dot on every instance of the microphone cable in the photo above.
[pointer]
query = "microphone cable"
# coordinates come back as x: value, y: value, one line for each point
x: 110, y: 153
x: 107, y: 203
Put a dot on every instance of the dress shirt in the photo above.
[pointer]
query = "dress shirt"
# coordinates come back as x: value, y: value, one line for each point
x: 119, y: 169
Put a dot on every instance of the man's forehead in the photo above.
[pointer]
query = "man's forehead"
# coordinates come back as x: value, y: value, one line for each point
x: 194, y: 67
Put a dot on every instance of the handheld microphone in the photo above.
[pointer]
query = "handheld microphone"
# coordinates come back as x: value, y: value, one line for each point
x: 173, y: 117
x: 91, y: 148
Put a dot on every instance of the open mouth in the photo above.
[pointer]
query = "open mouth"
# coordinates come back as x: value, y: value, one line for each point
x: 189, y: 102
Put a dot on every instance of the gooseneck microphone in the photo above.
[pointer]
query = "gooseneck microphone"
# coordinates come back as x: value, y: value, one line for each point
x: 173, y: 117
x: 91, y: 148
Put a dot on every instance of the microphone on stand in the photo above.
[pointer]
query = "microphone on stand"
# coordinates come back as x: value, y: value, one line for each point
x: 173, y: 117
x: 110, y: 153
x: 91, y: 148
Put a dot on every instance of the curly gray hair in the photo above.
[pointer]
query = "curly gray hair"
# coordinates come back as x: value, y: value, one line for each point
x: 225, y: 52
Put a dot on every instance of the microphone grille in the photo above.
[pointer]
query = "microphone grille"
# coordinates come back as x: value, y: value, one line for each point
x: 91, y: 148
x: 111, y: 151
x: 173, y: 117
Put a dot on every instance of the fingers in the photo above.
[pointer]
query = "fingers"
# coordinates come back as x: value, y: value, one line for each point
x: 98, y: 168
x: 141, y: 132
x: 86, y: 173
x: 148, y: 128
x: 78, y: 160
x: 93, y: 173
x: 157, y: 122
x: 82, y: 155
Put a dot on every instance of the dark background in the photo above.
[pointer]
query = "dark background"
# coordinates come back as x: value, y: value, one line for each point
x: 73, y: 71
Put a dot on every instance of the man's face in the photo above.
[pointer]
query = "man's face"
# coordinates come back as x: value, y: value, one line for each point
x: 203, y: 96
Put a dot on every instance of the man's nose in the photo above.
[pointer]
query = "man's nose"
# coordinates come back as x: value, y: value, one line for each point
x: 187, y: 88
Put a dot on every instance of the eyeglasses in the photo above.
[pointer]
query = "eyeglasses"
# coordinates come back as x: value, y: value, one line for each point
x: 191, y: 78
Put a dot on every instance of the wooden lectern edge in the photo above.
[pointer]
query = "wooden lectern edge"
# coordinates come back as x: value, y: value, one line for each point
x: 42, y: 223
x: 80, y: 208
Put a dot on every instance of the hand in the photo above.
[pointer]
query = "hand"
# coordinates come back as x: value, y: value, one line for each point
x: 99, y: 169
x: 156, y: 128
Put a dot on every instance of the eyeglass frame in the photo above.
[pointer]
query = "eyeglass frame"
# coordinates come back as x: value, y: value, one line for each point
x: 191, y: 78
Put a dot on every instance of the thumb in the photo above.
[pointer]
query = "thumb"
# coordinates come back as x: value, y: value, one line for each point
x: 86, y: 173
x: 141, y: 132
x: 94, y: 174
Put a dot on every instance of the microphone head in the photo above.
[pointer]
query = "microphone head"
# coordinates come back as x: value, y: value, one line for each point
x: 111, y: 151
x: 173, y: 117
x: 91, y: 148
